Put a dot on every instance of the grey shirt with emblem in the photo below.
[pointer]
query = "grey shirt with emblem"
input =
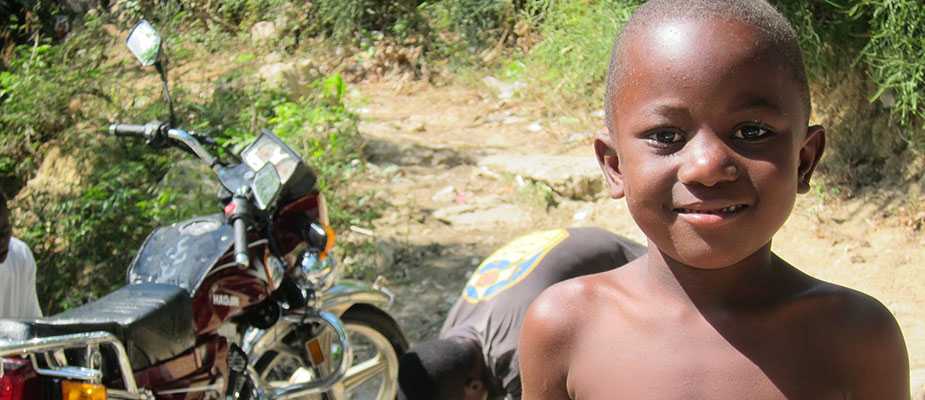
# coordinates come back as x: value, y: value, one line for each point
x: 493, y: 319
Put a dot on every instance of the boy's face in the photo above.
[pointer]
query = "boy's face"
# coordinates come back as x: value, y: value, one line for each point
x: 709, y: 139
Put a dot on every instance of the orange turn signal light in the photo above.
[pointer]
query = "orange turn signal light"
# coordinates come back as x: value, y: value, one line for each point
x: 329, y: 232
x: 71, y: 390
x: 314, y: 350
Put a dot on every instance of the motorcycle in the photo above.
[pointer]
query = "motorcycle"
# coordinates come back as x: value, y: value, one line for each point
x: 243, y: 304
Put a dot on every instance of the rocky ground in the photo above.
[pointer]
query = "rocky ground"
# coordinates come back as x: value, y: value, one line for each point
x: 465, y: 169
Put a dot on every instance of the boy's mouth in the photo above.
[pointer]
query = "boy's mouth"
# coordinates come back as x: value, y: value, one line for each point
x: 709, y: 215
x: 716, y: 211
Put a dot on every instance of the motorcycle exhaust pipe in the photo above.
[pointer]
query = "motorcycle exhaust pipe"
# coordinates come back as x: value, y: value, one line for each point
x: 317, y: 386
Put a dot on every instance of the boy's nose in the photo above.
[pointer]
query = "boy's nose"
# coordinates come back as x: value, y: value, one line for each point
x: 707, y: 161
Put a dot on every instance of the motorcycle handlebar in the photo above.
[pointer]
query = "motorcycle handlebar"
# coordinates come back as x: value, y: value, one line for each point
x: 128, y: 130
x: 240, y: 243
x: 240, y: 214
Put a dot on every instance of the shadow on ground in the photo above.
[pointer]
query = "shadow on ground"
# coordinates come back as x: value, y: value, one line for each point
x: 378, y: 151
x: 426, y: 279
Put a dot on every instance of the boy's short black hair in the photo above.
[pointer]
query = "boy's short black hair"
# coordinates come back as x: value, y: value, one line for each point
x: 435, y: 369
x: 757, y: 13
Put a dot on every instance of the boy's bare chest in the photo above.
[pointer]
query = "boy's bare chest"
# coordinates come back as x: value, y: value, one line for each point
x: 697, y: 360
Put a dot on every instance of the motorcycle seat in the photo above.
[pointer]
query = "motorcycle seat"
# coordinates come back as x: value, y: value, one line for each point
x: 154, y: 322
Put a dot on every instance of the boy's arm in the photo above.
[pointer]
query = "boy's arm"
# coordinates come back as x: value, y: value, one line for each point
x: 879, y: 364
x: 545, y: 347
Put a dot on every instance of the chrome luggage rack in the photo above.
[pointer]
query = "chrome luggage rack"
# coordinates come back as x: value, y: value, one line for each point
x: 52, y: 346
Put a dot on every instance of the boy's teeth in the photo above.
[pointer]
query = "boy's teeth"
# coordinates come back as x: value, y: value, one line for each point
x: 729, y: 209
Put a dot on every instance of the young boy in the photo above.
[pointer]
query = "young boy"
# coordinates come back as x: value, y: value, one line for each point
x: 707, y: 109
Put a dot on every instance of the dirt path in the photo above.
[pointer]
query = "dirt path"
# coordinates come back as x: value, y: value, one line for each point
x: 451, y: 207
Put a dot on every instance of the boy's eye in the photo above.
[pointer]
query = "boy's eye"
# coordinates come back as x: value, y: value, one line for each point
x: 666, y: 137
x: 751, y: 132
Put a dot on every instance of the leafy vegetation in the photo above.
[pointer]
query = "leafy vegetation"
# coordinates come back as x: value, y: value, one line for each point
x: 572, y: 58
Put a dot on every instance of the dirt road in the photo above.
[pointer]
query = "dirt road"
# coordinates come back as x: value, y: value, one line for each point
x: 435, y: 155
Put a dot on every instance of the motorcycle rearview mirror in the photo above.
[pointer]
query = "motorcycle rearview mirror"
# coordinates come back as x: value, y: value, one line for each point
x: 145, y: 43
x: 266, y: 186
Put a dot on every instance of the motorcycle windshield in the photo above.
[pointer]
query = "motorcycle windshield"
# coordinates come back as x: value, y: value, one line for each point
x: 181, y: 254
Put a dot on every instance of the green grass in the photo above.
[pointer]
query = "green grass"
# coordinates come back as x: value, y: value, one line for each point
x: 571, y: 60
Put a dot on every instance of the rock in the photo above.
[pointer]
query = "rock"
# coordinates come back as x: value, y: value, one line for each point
x: 505, y: 90
x: 512, y: 119
x: 535, y: 127
x: 275, y: 74
x: 485, y: 172
x: 575, y: 177
x: 584, y: 213
x: 520, y: 181
x: 479, y: 217
x: 263, y: 31
x: 444, y: 195
x: 578, y: 137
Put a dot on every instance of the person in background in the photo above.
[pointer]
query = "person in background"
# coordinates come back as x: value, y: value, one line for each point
x: 18, y: 298
x: 476, y: 354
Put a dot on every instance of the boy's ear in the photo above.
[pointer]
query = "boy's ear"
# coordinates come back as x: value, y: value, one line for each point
x: 610, y: 164
x: 810, y: 153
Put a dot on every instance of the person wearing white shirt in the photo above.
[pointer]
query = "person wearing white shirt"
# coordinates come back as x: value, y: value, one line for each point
x: 18, y: 298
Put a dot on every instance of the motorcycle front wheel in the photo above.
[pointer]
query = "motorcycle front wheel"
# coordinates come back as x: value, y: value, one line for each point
x: 376, y: 341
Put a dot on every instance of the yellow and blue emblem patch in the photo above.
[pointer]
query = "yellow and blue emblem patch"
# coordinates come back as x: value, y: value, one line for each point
x: 511, y: 264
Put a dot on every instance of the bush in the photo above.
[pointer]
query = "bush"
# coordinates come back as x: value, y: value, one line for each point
x: 350, y: 19
x: 39, y: 93
x: 575, y: 50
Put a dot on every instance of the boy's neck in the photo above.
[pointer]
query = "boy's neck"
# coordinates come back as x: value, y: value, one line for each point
x: 746, y: 283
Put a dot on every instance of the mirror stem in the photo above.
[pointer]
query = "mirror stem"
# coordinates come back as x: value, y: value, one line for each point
x: 163, y: 71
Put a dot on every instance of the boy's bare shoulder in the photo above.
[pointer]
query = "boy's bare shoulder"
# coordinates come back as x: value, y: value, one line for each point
x: 552, y: 329
x: 562, y: 308
x: 861, y: 333
x: 857, y: 314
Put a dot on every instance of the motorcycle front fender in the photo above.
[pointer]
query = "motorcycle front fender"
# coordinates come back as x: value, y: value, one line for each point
x: 336, y: 300
x: 347, y: 293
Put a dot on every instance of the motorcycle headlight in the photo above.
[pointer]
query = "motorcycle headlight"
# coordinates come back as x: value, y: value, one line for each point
x: 316, y: 272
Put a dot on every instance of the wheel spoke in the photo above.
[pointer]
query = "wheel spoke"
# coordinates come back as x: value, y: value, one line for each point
x: 338, y: 392
x: 283, y: 352
x: 364, y: 371
x: 372, y: 372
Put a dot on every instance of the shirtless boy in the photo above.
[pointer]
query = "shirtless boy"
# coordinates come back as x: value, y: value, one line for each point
x: 708, y: 111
